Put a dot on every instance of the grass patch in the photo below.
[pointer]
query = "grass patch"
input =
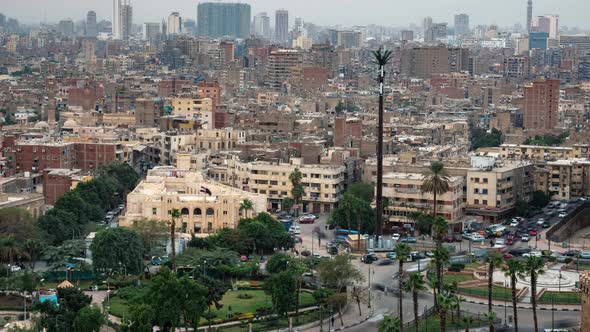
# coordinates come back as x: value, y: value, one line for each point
x: 266, y: 325
x: 561, y: 297
x: 458, y: 278
x: 474, y: 265
x: 498, y: 292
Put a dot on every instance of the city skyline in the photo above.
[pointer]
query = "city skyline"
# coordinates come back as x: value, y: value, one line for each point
x: 357, y: 13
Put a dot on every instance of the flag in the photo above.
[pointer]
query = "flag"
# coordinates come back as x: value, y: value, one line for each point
x: 206, y: 191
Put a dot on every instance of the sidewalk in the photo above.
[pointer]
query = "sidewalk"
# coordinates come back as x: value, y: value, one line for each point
x: 350, y: 318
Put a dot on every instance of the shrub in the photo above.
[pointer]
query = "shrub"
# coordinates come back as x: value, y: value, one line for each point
x: 456, y: 267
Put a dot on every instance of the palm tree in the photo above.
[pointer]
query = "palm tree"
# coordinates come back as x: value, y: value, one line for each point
x: 513, y: 269
x: 402, y: 251
x: 534, y: 266
x: 435, y: 181
x: 441, y: 256
x: 358, y: 209
x: 347, y: 203
x: 32, y: 249
x: 458, y: 300
x: 389, y: 324
x: 467, y: 320
x: 246, y: 206
x: 493, y: 259
x: 382, y: 58
x: 9, y: 249
x: 415, y: 284
x: 433, y: 284
x: 175, y: 214
x: 445, y: 303
x: 297, y: 190
x: 491, y: 316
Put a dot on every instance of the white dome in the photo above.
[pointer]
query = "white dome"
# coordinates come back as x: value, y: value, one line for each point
x: 70, y: 124
x: 41, y: 125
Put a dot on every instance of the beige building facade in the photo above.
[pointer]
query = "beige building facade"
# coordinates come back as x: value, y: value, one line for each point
x: 206, y: 206
x: 195, y: 109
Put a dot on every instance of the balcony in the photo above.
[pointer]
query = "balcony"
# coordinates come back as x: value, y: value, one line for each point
x: 414, y: 191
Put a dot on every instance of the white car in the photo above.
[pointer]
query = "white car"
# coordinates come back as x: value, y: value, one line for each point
x: 295, y: 229
x: 14, y: 268
x: 562, y: 215
x: 395, y: 237
x: 477, y: 237
x: 514, y: 223
x: 499, y: 243
x: 541, y: 221
x: 533, y: 254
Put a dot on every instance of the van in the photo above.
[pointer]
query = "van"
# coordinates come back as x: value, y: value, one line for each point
x: 295, y: 229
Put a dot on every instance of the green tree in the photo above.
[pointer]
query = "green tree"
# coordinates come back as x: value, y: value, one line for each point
x: 540, y: 199
x: 494, y: 259
x: 142, y: 316
x: 117, y: 249
x: 59, y: 225
x: 512, y: 269
x: 480, y: 138
x: 174, y: 215
x: 415, y: 284
x: 339, y: 273
x: 440, y: 229
x: 491, y: 316
x: 32, y: 250
x: 27, y: 283
x: 89, y: 319
x: 402, y: 250
x: 152, y: 232
x: 282, y: 288
x: 321, y: 296
x: 277, y: 263
x: 533, y: 267
x: 9, y: 249
x: 56, y: 318
x: 390, y: 324
x: 125, y: 175
x: 521, y: 207
x: 57, y: 256
x: 287, y: 204
x: 361, y: 190
x: 297, y: 190
x: 193, y: 301
x: 436, y: 182
x: 17, y: 223
x: 246, y: 205
x: 337, y: 302
x: 446, y: 303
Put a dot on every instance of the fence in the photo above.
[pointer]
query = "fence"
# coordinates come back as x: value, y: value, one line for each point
x: 454, y: 320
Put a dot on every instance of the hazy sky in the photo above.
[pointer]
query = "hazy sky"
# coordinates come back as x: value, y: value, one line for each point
x: 323, y: 12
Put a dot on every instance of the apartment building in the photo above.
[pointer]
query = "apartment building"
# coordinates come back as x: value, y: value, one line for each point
x: 494, y: 187
x: 205, y: 206
x: 405, y: 196
x: 213, y: 140
x: 323, y: 184
x: 196, y: 109
x: 564, y: 179
x: 541, y: 153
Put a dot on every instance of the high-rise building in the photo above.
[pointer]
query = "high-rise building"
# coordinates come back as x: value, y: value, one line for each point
x: 541, y: 106
x: 174, y: 24
x: 150, y: 31
x: 215, y: 20
x: 426, y: 23
x: 435, y: 32
x: 461, y: 25
x: 280, y: 66
x: 122, y: 19
x: 189, y: 26
x: 262, y: 25
x: 91, y: 26
x: 548, y: 24
x: 423, y: 62
x: 66, y: 27
x: 282, y: 25
x: 2, y: 20
x: 407, y: 35
x: 529, y: 15
x: 538, y: 40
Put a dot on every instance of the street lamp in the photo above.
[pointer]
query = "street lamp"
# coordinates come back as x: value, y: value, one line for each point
x: 369, y: 289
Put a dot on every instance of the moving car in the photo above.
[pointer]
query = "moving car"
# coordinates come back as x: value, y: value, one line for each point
x: 525, y: 238
x: 514, y: 223
x: 534, y: 253
x: 391, y: 255
x: 369, y: 258
x: 306, y: 220
x: 562, y: 215
x: 409, y: 239
x: 385, y: 261
x: 533, y: 232
x: 540, y: 221
x: 546, y: 224
x: 395, y: 237
x: 295, y: 229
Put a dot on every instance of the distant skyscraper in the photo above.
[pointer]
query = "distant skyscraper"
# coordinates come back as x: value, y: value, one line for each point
x: 426, y: 24
x: 282, y: 25
x: 548, y: 24
x: 122, y: 19
x: 2, y: 20
x: 538, y: 40
x: 262, y: 25
x: 66, y: 27
x: 174, y: 24
x: 541, y: 106
x: 461, y: 25
x: 150, y: 31
x: 215, y: 20
x: 529, y: 15
x: 91, y: 26
x: 189, y: 26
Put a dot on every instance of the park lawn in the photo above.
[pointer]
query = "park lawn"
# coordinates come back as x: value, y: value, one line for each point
x: 119, y: 307
x: 498, y: 292
x: 259, y: 300
x: 458, y: 278
x: 266, y: 325
x: 561, y: 297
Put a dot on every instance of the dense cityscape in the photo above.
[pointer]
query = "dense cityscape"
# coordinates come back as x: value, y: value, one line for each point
x: 232, y: 169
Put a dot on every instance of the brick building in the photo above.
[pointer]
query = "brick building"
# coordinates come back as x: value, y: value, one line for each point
x: 56, y: 182
x: 541, y: 106
x: 347, y: 128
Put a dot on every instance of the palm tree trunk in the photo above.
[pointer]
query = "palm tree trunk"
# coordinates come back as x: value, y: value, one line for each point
x: 534, y: 298
x: 415, y: 295
x: 434, y: 205
x: 172, y: 233
x: 439, y: 277
x: 358, y: 229
x: 401, y: 274
x: 443, y: 320
x: 515, y: 311
x: 490, y: 285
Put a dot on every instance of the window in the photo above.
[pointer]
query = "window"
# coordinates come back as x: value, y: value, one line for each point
x: 197, y: 212
x: 476, y: 201
x: 210, y: 212
x: 184, y: 211
x: 154, y: 211
x: 225, y: 213
x: 274, y: 183
x: 484, y: 202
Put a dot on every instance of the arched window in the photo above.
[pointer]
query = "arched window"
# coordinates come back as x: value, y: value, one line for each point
x: 184, y: 211
x: 210, y: 212
x: 197, y: 212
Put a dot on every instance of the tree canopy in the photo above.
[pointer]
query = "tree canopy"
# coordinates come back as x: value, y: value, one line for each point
x: 339, y: 273
x: 117, y: 249
x: 546, y: 140
x: 480, y: 138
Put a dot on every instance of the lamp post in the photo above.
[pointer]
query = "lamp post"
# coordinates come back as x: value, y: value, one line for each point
x: 559, y: 281
x: 505, y: 311
x: 369, y: 290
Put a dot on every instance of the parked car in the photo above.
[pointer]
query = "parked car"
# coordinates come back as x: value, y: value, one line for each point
x: 391, y: 255
x: 449, y: 239
x: 562, y: 215
x: 333, y: 250
x: 513, y: 223
x: 534, y: 253
x: 519, y: 252
x: 585, y: 255
x: 533, y: 232
x: 546, y: 224
x: 409, y: 239
x: 525, y: 238
x: 295, y: 229
x: 540, y: 221
x: 507, y: 256
x: 477, y: 237
x: 509, y: 242
x: 369, y: 258
x: 395, y: 237
x: 306, y: 220
x: 156, y: 261
x: 572, y: 253
x: 306, y: 253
